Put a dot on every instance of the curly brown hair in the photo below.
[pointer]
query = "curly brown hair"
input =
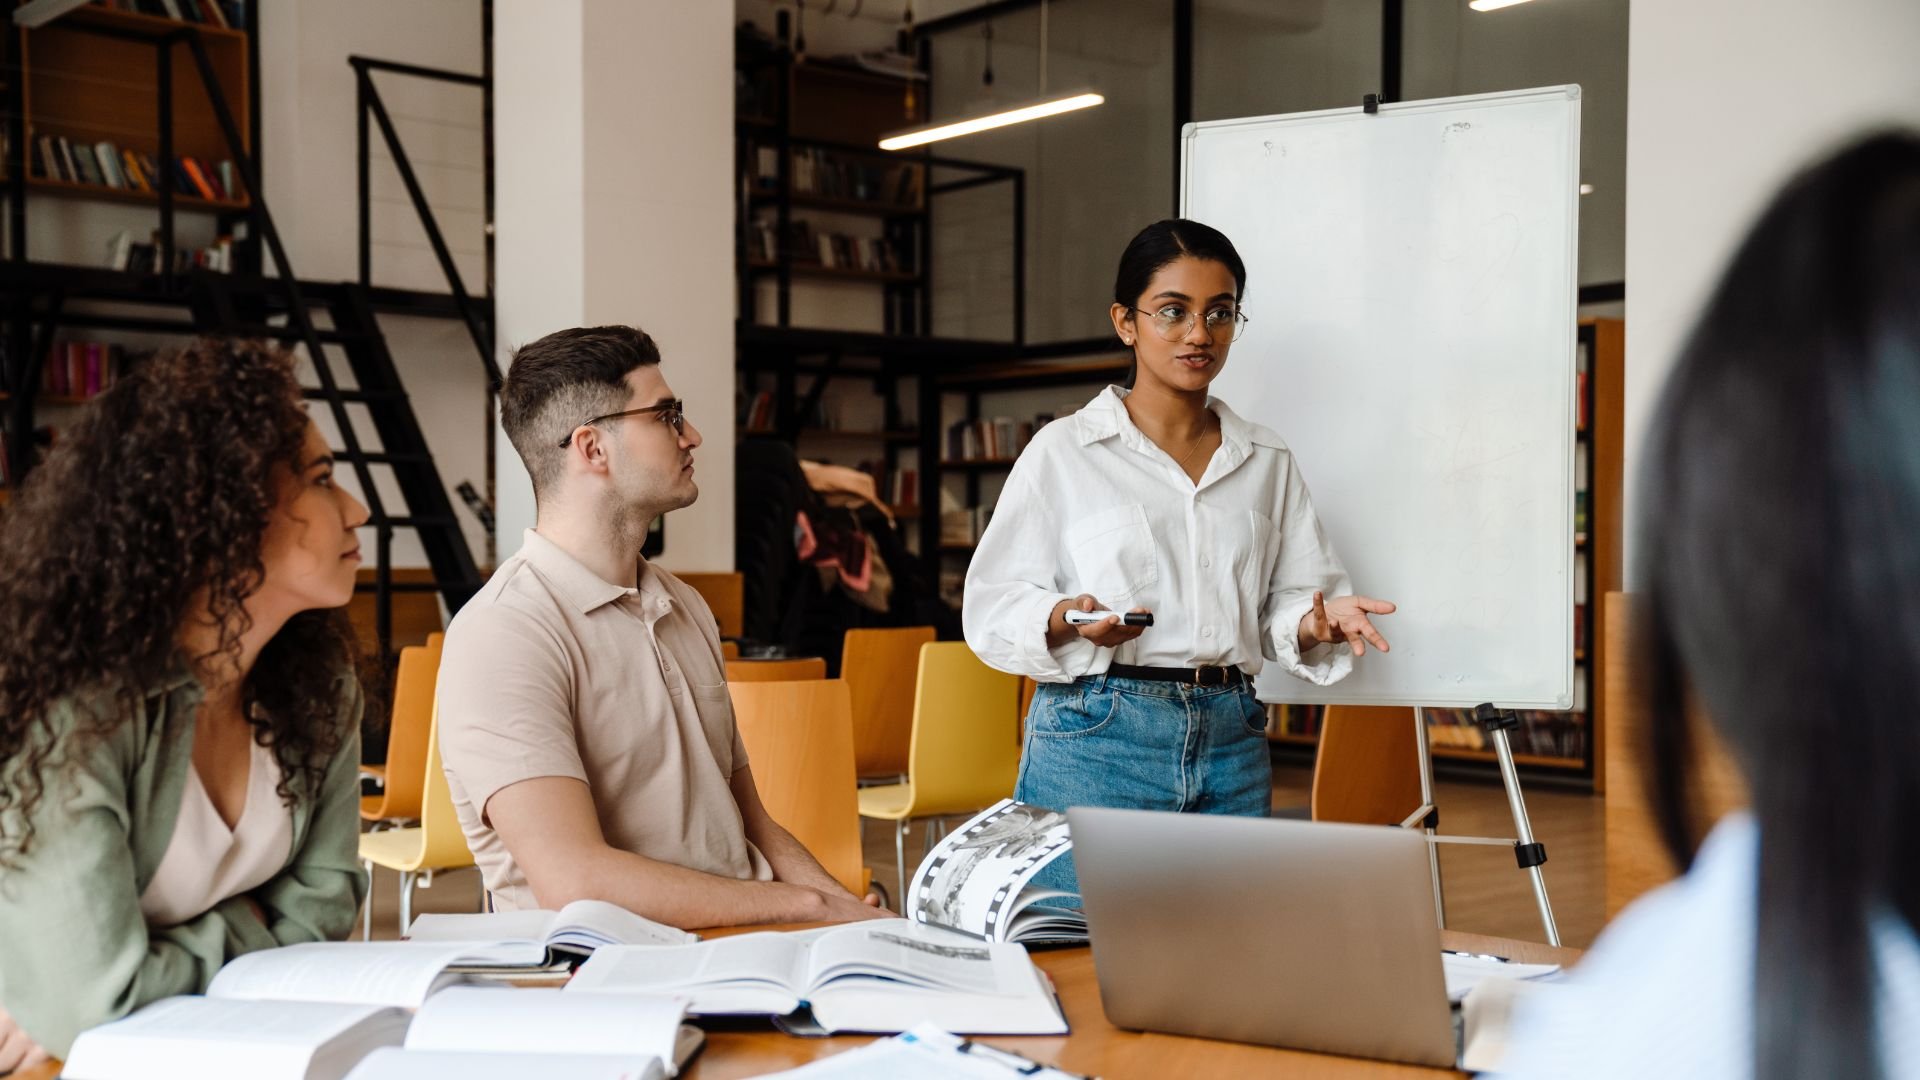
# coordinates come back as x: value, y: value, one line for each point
x: 163, y: 489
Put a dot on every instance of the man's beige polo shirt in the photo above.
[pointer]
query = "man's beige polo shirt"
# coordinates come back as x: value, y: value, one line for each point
x: 553, y: 671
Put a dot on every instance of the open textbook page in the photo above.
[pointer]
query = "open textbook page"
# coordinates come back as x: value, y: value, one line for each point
x: 532, y: 939
x: 402, y: 973
x: 978, y: 879
x: 881, y: 976
x: 191, y: 1038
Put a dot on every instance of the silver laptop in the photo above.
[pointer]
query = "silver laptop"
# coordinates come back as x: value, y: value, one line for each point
x: 1306, y: 935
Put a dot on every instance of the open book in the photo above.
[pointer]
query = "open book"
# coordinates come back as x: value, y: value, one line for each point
x: 977, y: 879
x: 883, y: 976
x: 534, y: 939
x: 191, y: 1038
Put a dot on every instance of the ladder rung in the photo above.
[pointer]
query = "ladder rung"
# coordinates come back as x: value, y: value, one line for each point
x: 315, y: 393
x: 381, y: 457
x: 429, y: 522
x: 400, y: 587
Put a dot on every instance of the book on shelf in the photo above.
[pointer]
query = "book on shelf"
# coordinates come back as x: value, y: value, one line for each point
x: 80, y: 369
x: 999, y: 438
x: 109, y: 165
x: 978, y: 880
x: 833, y: 175
x: 1292, y: 718
x: 534, y: 1032
x: 964, y: 528
x: 502, y: 940
x: 879, y: 977
x: 125, y: 254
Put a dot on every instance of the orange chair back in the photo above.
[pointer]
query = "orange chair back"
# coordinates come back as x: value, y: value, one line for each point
x: 799, y: 738
x: 806, y: 667
x: 1367, y: 771
x: 407, y: 735
x: 881, y: 667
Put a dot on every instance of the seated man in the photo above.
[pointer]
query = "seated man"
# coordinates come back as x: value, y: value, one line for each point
x: 585, y: 725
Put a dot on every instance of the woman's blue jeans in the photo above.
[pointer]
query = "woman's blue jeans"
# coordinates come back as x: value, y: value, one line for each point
x: 1146, y: 745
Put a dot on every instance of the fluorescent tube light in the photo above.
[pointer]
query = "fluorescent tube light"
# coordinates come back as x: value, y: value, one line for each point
x: 41, y: 12
x: 1492, y: 5
x: 952, y: 129
x: 1586, y: 189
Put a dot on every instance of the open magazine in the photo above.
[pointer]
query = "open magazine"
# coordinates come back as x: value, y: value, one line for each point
x: 978, y: 879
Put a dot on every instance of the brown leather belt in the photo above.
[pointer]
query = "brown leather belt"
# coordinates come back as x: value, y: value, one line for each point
x: 1195, y: 676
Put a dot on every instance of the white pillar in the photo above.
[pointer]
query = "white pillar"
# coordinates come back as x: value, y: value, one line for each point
x: 613, y: 166
x: 1726, y: 99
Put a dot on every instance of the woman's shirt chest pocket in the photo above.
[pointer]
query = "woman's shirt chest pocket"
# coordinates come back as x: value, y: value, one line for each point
x: 1113, y: 556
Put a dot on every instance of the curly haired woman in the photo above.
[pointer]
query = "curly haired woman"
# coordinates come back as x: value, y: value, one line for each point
x: 179, y: 712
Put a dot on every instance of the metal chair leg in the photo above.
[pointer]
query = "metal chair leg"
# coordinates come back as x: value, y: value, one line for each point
x: 366, y: 911
x: 900, y: 858
x: 406, y: 901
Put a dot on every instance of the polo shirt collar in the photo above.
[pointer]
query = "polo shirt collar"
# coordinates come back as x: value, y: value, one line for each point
x: 569, y: 578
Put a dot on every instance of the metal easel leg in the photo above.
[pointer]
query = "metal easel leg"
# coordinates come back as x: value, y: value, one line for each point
x: 1529, y: 852
x: 1429, y: 813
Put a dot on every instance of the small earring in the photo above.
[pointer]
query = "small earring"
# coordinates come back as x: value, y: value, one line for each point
x: 1127, y: 341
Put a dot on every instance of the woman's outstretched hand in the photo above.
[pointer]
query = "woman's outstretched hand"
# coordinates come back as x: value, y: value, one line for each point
x: 1344, y: 618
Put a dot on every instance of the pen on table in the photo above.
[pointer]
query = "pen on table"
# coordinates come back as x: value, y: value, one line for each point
x: 1476, y: 955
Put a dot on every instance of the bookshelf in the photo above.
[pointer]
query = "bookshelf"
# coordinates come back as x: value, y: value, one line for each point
x: 90, y: 87
x: 817, y: 200
x: 1567, y: 745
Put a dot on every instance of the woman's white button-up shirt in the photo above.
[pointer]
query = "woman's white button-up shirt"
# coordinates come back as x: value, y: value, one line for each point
x: 1228, y: 566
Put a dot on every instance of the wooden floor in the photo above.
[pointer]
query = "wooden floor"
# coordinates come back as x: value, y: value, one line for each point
x: 1485, y: 892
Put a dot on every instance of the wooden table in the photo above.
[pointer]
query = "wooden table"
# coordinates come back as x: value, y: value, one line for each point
x: 1096, y: 1047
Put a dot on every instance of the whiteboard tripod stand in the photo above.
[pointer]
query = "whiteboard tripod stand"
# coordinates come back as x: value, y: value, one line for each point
x: 1527, y: 851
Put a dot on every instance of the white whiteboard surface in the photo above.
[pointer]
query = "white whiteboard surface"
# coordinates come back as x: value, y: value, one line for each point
x: 1411, y: 292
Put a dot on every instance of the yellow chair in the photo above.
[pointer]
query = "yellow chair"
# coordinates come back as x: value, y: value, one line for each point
x: 433, y: 845
x: 963, y: 755
x: 879, y: 666
x: 806, y: 667
x: 405, y: 769
x: 799, y: 738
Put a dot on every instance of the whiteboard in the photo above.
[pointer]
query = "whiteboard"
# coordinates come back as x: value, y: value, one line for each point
x: 1411, y: 299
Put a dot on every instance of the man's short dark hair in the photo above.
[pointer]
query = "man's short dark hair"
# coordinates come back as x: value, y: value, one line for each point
x: 562, y: 380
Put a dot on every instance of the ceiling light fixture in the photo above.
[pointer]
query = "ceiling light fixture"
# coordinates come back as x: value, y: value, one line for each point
x: 1492, y: 5
x: 1586, y: 189
x: 953, y: 129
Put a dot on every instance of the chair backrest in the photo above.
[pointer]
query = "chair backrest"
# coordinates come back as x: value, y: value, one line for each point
x: 1368, y: 769
x: 799, y: 738
x: 724, y: 594
x: 443, y: 846
x: 730, y: 650
x: 805, y: 667
x: 964, y: 754
x: 880, y: 666
x: 413, y: 687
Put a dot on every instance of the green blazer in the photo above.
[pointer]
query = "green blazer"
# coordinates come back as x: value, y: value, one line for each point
x: 74, y: 948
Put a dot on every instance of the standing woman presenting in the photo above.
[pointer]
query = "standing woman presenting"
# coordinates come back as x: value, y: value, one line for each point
x: 1160, y: 500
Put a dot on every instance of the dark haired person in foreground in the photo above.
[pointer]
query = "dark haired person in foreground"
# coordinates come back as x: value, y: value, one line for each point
x: 179, y: 713
x: 1161, y: 499
x: 585, y: 724
x: 1781, y: 503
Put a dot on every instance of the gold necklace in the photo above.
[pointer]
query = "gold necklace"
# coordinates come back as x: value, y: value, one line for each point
x: 1191, y: 450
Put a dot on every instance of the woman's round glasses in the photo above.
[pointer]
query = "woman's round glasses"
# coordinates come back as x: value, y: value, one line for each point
x: 1174, y: 322
x: 672, y: 413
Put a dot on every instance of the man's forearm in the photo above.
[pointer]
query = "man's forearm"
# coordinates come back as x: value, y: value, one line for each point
x: 790, y: 859
x: 677, y: 896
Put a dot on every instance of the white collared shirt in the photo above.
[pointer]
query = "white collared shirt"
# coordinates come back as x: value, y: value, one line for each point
x: 1227, y: 566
